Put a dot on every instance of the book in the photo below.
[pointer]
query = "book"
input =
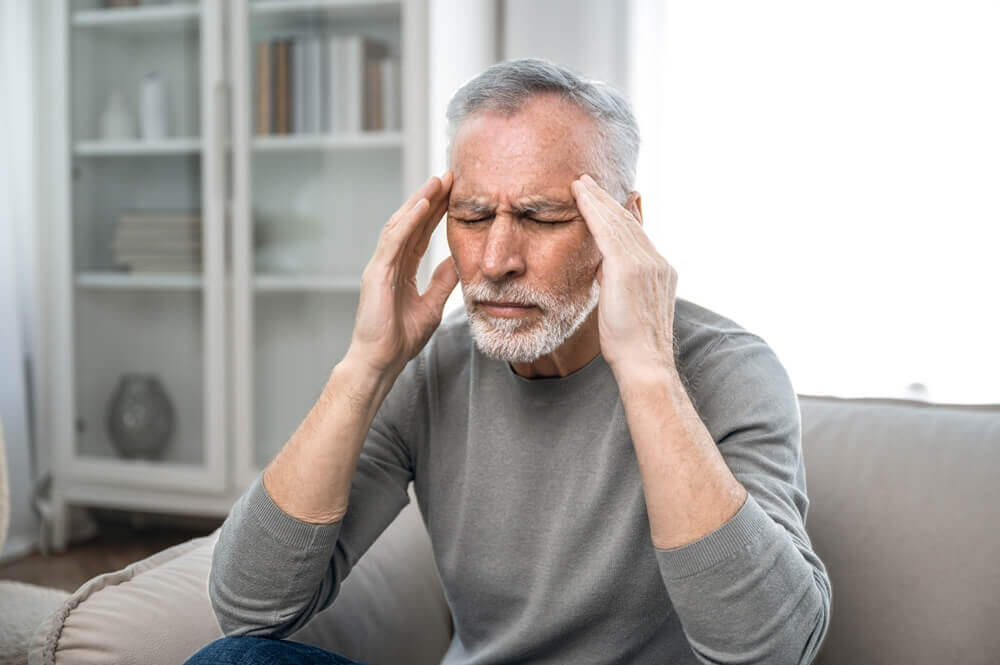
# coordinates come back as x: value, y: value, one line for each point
x: 373, y: 51
x: 157, y: 240
x: 262, y: 67
x: 299, y: 88
x: 139, y: 265
x: 281, y: 123
x: 174, y: 217
x: 141, y: 244
x: 315, y: 95
x: 352, y: 92
x: 169, y: 231
x: 373, y: 103
x: 392, y: 112
x: 335, y: 110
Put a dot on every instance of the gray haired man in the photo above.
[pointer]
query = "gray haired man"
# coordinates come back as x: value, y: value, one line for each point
x: 608, y: 473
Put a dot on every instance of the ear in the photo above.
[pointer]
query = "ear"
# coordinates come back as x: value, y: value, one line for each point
x: 634, y: 205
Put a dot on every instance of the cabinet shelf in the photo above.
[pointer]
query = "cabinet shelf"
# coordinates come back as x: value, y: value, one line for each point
x: 109, y: 279
x: 174, y: 146
x: 332, y: 9
x: 139, y: 18
x: 344, y: 141
x: 284, y: 283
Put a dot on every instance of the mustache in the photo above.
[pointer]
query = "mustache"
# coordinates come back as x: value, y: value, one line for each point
x: 510, y: 292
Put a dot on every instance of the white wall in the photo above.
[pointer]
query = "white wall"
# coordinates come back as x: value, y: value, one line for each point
x: 826, y: 174
x: 463, y: 42
x: 587, y: 36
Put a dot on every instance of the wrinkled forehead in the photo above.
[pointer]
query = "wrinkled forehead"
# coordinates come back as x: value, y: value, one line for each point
x: 504, y: 158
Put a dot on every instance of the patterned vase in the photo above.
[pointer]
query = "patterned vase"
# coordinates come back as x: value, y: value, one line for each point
x: 140, y: 418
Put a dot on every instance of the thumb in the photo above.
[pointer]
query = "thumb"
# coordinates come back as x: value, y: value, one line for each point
x: 443, y: 281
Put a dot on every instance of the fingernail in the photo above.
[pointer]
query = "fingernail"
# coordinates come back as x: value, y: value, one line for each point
x: 587, y: 178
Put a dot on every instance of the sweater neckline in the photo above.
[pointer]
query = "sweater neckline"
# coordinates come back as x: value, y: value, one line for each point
x: 555, y: 387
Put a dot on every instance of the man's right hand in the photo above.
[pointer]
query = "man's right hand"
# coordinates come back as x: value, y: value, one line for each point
x: 394, y: 321
x: 310, y: 477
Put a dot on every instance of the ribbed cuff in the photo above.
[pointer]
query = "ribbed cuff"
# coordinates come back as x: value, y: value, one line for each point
x: 747, y: 526
x: 285, y: 528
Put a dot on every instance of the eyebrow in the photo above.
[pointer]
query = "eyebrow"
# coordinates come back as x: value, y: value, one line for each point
x: 531, y: 205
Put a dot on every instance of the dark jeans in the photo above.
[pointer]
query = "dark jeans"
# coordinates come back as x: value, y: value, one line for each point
x: 247, y: 650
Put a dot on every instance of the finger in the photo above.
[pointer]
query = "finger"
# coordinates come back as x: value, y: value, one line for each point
x: 595, y: 215
x: 443, y: 282
x: 598, y: 191
x: 412, y: 257
x: 617, y: 213
x: 418, y: 242
x: 397, y: 230
x: 625, y: 239
x: 426, y: 190
x: 446, y: 179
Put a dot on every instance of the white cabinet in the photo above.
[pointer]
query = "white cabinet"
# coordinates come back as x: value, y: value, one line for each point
x: 217, y: 262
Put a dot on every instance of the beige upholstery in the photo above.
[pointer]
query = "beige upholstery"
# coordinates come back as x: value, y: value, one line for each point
x: 904, y: 505
x: 22, y: 606
x: 156, y: 611
x: 903, y: 511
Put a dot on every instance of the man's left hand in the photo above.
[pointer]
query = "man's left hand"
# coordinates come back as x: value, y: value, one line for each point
x: 638, y: 286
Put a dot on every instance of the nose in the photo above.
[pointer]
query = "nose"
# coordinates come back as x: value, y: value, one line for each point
x: 502, y: 257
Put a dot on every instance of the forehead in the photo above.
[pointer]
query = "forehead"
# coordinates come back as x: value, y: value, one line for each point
x: 536, y: 152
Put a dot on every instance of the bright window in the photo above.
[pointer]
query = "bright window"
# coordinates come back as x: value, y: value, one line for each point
x: 827, y: 174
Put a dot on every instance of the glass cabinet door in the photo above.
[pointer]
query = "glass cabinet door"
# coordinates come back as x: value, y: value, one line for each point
x: 147, y: 242
x: 318, y: 161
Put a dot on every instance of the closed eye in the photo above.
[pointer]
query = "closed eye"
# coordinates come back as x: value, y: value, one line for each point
x: 536, y: 221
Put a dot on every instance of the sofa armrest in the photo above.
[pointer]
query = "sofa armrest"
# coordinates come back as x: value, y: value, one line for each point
x: 156, y: 611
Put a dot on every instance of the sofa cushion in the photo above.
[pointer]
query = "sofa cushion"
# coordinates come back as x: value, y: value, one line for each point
x: 154, y: 610
x: 22, y: 607
x: 391, y: 608
x: 903, y: 503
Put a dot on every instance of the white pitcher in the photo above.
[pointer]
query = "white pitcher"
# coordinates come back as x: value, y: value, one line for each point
x: 153, y: 106
x: 116, y: 122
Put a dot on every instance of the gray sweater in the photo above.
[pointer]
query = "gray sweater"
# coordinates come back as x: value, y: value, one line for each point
x: 532, y: 497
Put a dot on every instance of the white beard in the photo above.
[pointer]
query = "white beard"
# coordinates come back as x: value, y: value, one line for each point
x: 524, y: 339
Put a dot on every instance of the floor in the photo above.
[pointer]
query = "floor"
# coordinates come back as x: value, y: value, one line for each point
x: 117, y: 544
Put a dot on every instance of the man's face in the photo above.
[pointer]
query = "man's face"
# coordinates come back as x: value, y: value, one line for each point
x: 530, y: 247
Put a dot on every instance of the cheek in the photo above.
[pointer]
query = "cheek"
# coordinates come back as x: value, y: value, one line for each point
x: 449, y: 234
x: 571, y: 265
x: 462, y: 246
x: 584, y: 258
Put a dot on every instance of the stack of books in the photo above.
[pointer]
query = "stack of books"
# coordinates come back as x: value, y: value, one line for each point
x: 158, y: 241
x: 313, y: 84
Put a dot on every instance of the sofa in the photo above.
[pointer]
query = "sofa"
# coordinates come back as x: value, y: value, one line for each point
x: 904, y: 506
x: 22, y: 606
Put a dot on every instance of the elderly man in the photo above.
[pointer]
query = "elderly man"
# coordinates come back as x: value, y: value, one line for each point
x: 608, y: 473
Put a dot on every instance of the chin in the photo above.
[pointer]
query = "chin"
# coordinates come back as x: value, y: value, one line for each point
x: 511, y: 345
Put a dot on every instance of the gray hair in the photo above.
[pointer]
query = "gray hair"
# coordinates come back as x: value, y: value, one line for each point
x: 506, y: 86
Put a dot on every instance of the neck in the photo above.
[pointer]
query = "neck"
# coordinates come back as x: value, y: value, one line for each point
x: 578, y: 350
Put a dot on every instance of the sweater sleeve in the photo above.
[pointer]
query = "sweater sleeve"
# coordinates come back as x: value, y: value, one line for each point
x: 271, y: 573
x: 753, y: 590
